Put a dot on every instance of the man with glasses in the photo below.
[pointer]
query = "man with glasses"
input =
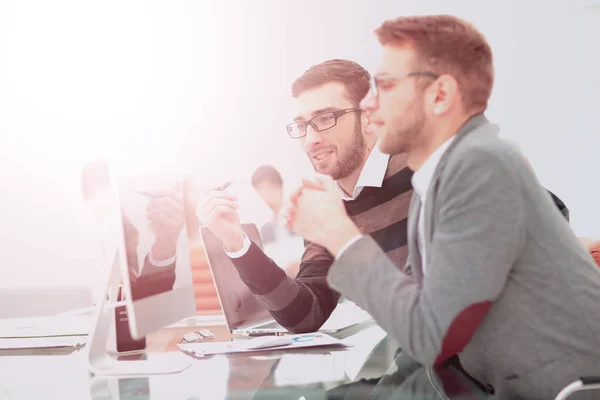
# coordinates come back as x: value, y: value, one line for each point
x: 375, y: 188
x: 498, y: 279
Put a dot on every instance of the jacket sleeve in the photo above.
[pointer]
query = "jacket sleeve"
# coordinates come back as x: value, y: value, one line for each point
x: 153, y: 280
x: 300, y: 304
x: 478, y: 234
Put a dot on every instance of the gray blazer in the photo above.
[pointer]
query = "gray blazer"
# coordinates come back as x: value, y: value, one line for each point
x: 509, y: 288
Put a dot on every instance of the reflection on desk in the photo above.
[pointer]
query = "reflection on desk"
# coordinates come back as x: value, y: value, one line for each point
x: 309, y: 373
x: 406, y: 379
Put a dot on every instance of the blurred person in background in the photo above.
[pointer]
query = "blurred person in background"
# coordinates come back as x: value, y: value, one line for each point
x: 279, y: 242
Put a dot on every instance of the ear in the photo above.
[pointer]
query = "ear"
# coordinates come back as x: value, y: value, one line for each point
x: 443, y: 95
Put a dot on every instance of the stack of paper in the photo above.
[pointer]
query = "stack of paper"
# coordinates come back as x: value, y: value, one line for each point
x: 46, y: 326
x: 42, y: 342
x: 45, y: 332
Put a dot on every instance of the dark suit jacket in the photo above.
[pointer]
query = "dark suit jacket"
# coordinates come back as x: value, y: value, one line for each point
x: 153, y: 280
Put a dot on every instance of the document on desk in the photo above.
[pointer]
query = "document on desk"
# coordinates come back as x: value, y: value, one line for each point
x: 79, y: 325
x: 200, y: 349
x: 42, y: 342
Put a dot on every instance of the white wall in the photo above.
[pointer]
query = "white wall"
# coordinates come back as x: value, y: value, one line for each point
x: 46, y: 236
x: 546, y: 94
x: 206, y: 85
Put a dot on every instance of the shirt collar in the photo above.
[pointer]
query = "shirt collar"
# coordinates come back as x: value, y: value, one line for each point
x: 371, y: 175
x: 422, y: 177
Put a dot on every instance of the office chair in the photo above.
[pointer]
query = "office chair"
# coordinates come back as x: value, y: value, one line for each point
x: 584, y: 383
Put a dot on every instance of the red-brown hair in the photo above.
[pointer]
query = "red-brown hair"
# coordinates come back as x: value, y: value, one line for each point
x: 354, y: 78
x: 447, y: 45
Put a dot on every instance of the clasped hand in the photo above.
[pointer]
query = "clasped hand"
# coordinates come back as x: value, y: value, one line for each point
x: 316, y: 212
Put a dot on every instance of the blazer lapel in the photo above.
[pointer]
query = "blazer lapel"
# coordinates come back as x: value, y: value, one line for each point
x: 413, y: 247
x: 476, y: 123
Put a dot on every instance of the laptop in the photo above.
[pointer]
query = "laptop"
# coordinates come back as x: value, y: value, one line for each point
x: 244, y: 313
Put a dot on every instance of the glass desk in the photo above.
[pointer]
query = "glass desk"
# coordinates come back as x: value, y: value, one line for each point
x: 332, y: 373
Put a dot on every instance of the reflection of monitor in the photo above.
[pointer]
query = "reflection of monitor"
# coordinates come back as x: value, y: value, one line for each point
x: 145, y: 240
x: 156, y: 270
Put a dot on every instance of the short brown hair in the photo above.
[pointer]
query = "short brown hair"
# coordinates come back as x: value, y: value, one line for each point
x: 354, y: 77
x: 447, y: 45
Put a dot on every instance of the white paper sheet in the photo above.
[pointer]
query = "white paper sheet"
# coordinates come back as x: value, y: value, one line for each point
x: 299, y: 341
x: 44, y: 342
x: 46, y: 326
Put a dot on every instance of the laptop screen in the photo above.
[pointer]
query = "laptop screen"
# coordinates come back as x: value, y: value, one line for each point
x: 240, y: 306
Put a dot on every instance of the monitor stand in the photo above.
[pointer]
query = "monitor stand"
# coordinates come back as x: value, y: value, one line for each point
x: 101, y: 362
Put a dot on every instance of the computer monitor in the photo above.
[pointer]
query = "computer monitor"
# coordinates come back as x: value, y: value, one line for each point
x: 141, y: 217
x: 156, y: 268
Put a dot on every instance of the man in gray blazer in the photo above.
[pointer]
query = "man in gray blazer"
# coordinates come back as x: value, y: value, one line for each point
x: 495, y: 274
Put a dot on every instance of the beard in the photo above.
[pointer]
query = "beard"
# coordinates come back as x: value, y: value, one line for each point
x: 405, y: 130
x: 348, y: 160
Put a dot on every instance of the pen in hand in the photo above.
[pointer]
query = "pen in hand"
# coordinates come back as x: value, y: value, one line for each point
x: 149, y: 195
x: 224, y: 186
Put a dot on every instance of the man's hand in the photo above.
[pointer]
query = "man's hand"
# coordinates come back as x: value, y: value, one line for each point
x: 166, y: 215
x: 132, y: 236
x: 317, y: 213
x: 219, y: 214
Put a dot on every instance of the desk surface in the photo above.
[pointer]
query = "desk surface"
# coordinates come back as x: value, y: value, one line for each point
x: 332, y: 373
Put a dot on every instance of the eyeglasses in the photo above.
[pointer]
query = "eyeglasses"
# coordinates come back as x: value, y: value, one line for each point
x: 321, y: 122
x: 376, y: 80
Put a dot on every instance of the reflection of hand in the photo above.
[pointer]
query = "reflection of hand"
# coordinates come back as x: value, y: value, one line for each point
x: 166, y: 215
x: 219, y: 214
x: 317, y: 213
x: 132, y: 237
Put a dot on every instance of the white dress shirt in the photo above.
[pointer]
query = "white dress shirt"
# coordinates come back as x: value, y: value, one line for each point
x: 371, y: 175
x: 421, y: 180
x: 163, y: 263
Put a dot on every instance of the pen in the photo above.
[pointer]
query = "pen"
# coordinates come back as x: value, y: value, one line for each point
x: 224, y: 186
x: 147, y: 194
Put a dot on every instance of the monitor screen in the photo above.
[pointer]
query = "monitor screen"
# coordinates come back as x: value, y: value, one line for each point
x: 142, y: 217
x: 155, y: 235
